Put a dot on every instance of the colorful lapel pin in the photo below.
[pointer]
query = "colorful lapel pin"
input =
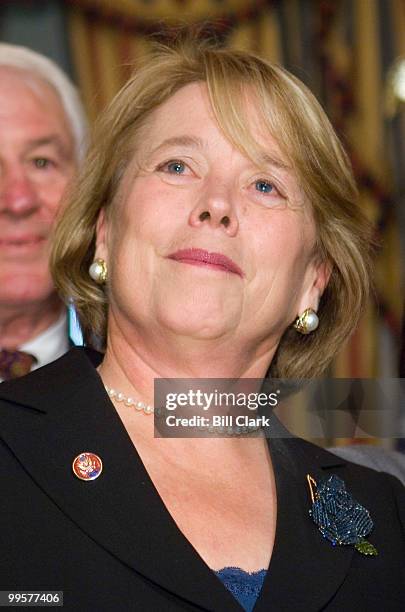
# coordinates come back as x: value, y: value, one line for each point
x: 87, y: 466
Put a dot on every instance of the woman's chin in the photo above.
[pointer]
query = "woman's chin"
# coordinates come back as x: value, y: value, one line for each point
x: 195, y: 325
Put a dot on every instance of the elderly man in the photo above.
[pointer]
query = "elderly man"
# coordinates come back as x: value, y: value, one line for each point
x: 42, y: 128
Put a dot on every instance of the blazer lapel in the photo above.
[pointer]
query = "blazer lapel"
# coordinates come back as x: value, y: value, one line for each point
x: 305, y: 569
x: 121, y: 510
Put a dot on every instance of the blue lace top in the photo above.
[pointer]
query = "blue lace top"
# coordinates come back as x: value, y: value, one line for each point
x: 244, y: 586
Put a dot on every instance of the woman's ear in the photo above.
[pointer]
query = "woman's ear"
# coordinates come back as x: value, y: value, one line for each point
x: 101, y: 236
x: 317, y: 278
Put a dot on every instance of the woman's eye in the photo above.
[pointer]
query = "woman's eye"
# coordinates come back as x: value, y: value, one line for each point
x: 265, y: 186
x: 173, y: 167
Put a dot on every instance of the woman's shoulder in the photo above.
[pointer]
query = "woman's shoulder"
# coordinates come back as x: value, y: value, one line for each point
x: 363, y: 461
x: 376, y: 457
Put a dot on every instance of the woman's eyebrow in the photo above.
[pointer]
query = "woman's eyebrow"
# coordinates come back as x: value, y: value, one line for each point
x: 182, y: 141
x: 264, y: 158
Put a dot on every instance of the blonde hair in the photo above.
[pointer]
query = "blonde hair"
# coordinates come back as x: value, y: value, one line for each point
x: 290, y: 112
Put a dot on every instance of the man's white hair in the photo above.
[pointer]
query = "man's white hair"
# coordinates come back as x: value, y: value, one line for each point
x: 15, y: 56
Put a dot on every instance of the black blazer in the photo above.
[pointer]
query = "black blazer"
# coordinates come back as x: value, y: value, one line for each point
x: 110, y: 544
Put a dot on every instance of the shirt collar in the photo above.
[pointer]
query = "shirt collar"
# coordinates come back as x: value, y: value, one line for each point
x: 50, y: 344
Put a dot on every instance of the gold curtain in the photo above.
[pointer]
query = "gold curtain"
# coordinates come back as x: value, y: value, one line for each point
x: 335, y: 46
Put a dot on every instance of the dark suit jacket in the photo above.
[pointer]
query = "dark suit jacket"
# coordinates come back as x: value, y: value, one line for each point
x: 110, y: 544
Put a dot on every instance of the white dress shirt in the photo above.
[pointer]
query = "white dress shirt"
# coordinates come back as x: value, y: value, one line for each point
x: 50, y: 344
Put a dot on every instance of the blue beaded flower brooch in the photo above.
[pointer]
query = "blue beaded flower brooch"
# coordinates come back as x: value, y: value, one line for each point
x: 340, y: 519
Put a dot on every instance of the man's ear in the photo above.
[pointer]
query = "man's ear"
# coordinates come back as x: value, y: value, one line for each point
x: 101, y: 236
x: 317, y: 278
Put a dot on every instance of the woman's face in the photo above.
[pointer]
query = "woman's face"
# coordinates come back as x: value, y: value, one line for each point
x: 201, y: 242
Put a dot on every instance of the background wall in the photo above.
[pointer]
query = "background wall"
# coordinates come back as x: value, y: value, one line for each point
x: 40, y: 25
x: 343, y: 49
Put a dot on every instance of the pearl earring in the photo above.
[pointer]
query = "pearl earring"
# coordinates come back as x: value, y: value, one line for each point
x: 307, y: 322
x: 98, y: 271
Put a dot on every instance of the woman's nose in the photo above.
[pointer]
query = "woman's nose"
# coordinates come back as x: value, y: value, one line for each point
x: 216, y: 209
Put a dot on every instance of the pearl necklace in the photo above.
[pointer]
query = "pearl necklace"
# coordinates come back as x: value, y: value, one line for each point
x: 117, y: 396
x: 131, y: 402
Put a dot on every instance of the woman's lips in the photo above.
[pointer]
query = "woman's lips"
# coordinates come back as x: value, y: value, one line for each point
x: 199, y: 257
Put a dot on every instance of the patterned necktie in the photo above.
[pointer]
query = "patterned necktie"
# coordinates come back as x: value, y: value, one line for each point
x: 15, y: 363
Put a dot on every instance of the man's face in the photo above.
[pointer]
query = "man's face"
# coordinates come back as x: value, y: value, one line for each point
x: 36, y: 162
